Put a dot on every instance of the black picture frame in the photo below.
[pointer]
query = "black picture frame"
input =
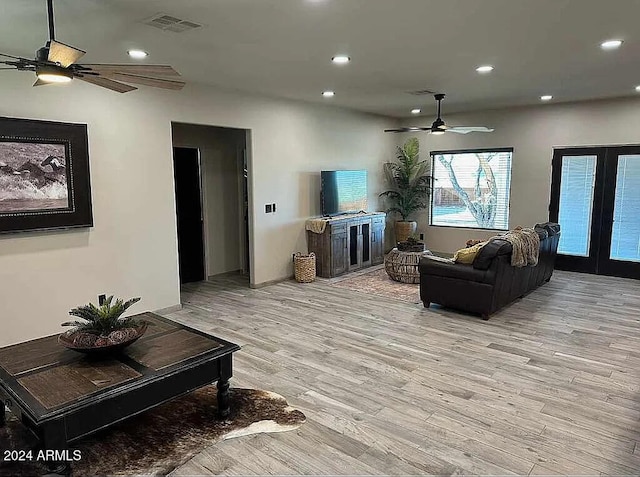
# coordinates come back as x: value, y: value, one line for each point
x: 24, y: 138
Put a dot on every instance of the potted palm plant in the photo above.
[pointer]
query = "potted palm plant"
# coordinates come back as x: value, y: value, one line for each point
x: 410, y: 187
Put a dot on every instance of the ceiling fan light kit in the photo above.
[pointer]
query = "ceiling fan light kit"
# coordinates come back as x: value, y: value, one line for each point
x: 53, y: 74
x: 56, y: 63
x: 439, y: 127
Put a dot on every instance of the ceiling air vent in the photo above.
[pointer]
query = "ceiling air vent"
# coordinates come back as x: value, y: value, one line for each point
x: 170, y: 23
x: 421, y: 92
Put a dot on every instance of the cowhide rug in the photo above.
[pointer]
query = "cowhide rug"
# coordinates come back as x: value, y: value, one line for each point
x: 160, y: 440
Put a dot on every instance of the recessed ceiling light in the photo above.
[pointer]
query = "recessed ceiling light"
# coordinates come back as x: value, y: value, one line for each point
x: 415, y: 111
x: 611, y: 44
x: 328, y: 94
x: 137, y: 54
x: 546, y: 97
x: 638, y: 88
x: 341, y: 59
x: 484, y: 69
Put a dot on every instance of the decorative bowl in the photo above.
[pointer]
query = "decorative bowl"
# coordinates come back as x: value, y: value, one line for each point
x: 93, y: 344
x: 411, y: 246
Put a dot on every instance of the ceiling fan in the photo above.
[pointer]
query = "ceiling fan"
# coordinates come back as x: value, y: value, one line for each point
x: 56, y: 63
x: 439, y: 126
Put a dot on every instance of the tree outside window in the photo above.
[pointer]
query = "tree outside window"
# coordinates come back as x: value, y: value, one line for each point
x: 471, y: 188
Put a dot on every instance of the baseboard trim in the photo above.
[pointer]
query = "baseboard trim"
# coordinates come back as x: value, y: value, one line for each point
x: 170, y: 309
x: 271, y: 282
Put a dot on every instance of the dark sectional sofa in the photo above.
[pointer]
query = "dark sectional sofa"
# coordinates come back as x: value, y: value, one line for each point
x: 490, y: 283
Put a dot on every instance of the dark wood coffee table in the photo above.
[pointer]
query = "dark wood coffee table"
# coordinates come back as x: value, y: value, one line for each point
x: 63, y: 395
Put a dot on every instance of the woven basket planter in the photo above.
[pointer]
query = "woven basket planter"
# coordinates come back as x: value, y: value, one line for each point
x: 304, y: 267
x: 403, y: 266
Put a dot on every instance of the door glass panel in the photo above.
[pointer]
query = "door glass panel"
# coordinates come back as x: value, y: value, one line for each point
x: 625, y: 238
x: 576, y: 204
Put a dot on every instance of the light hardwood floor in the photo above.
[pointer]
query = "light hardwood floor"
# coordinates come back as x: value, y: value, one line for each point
x: 550, y: 385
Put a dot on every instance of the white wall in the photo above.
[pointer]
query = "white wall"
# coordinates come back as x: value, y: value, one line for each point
x: 220, y: 163
x: 132, y: 250
x: 533, y: 132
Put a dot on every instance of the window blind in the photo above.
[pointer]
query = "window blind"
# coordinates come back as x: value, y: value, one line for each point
x: 577, y: 184
x: 625, y: 239
x: 471, y: 188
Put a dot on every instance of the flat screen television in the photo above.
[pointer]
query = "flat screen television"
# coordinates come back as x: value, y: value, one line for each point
x: 343, y: 192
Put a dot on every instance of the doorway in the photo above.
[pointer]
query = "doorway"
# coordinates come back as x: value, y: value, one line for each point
x: 223, y: 189
x: 188, y: 190
x: 595, y: 197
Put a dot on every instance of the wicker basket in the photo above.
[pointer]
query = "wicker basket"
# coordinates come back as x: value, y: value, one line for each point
x: 304, y: 267
x: 403, y: 266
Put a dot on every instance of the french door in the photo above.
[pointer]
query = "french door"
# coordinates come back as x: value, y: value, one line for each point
x: 595, y: 197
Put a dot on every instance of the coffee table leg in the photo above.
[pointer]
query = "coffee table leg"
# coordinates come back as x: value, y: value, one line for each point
x: 224, y: 406
x: 53, y: 438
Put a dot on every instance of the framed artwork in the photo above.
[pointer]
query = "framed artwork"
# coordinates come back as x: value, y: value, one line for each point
x: 44, y: 175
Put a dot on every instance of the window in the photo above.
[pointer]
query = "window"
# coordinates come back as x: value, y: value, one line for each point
x: 577, y: 186
x: 471, y: 188
x: 625, y: 237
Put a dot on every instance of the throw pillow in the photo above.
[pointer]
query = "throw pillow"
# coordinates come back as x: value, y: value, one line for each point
x: 467, y: 255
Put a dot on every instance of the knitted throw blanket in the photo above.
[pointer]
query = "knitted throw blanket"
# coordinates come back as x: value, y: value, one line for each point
x: 316, y: 226
x: 526, y: 247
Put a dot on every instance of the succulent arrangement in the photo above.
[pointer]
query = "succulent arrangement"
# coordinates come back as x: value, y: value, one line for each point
x: 102, y: 325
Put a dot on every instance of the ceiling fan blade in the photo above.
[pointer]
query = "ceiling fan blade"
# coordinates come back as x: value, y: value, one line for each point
x: 469, y: 129
x: 407, y: 129
x: 11, y: 56
x: 107, y: 83
x: 63, y: 54
x: 458, y: 131
x: 143, y: 70
x: 145, y: 80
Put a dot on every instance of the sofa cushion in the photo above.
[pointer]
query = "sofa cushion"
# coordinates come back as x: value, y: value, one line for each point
x: 459, y: 271
x: 496, y: 246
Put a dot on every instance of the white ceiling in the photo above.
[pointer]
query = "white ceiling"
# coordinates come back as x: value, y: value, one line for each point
x: 283, y: 48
